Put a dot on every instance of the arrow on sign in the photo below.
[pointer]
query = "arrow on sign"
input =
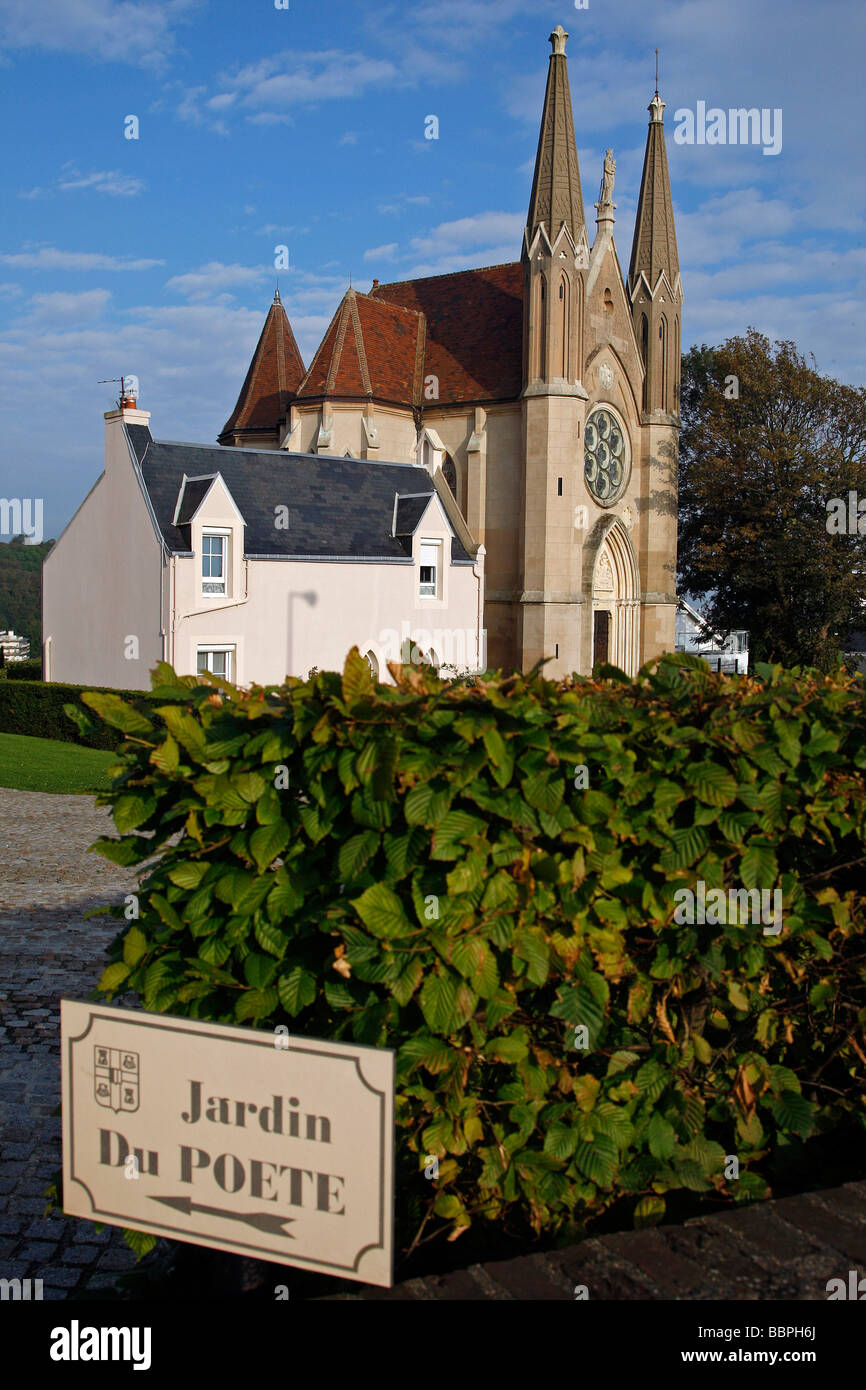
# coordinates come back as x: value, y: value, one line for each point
x: 262, y: 1220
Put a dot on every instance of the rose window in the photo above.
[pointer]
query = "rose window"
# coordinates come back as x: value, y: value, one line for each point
x: 604, y: 457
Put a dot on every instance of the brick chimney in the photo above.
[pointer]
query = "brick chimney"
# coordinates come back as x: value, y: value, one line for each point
x: 125, y: 413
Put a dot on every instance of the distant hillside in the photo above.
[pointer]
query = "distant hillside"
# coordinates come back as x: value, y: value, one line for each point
x: 21, y: 589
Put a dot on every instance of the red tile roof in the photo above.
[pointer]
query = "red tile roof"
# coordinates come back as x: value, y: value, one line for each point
x: 466, y: 329
x: 274, y: 376
x: 371, y: 349
x: 474, y: 338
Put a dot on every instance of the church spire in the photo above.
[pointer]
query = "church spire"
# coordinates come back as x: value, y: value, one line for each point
x: 655, y: 244
x: 556, y: 197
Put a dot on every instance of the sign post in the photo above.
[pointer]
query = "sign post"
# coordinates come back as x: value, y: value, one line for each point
x: 279, y: 1148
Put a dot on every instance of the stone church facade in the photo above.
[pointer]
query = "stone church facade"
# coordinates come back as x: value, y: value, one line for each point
x: 545, y: 392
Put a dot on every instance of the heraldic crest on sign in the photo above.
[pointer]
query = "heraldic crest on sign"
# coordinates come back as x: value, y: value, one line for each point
x: 115, y: 1078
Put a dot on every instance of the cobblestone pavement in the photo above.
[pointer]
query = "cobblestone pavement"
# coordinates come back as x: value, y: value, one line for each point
x: 47, y: 951
x: 782, y: 1250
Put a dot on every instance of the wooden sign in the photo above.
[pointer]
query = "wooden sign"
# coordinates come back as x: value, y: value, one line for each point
x: 275, y: 1146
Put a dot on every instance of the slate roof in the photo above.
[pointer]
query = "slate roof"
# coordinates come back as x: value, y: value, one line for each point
x: 194, y: 492
x: 274, y: 375
x: 338, y: 507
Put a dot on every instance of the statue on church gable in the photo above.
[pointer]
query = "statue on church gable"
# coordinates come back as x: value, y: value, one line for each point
x: 605, y: 194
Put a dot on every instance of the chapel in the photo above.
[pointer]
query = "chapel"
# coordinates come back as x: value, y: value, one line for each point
x: 546, y: 393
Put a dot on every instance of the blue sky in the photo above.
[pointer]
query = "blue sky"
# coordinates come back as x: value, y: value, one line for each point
x: 305, y: 127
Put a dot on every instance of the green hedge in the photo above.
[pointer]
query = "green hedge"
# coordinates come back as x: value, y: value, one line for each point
x: 481, y: 875
x: 40, y: 709
x: 29, y: 670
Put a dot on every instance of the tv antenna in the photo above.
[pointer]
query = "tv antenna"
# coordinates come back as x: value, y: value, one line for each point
x: 111, y: 380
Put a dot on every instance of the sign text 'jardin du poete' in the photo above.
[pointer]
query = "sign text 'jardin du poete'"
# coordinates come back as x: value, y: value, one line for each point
x: 218, y: 1136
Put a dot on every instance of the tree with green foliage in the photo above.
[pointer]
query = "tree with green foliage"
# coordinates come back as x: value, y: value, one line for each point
x: 767, y: 443
x: 21, y: 589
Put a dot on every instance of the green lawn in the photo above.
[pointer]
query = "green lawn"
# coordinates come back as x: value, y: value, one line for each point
x: 46, y: 765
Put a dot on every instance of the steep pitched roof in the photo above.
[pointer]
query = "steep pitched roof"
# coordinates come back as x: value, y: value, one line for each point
x: 272, y: 380
x: 654, y: 248
x: 556, y: 197
x: 371, y: 349
x: 474, y: 331
x: 339, y: 508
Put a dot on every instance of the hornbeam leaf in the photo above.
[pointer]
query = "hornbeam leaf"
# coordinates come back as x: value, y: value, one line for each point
x: 117, y: 712
x: 713, y: 784
x: 268, y: 842
x: 439, y: 1000
x: 382, y: 912
x: 434, y: 1054
x: 597, y: 1160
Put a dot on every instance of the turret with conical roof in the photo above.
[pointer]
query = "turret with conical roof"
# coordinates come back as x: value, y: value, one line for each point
x: 271, y: 383
x: 654, y: 281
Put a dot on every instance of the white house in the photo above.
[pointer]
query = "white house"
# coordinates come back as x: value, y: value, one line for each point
x: 13, y: 646
x: 694, y: 634
x: 257, y: 564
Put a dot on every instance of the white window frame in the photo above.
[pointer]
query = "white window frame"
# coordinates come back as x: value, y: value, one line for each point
x: 210, y: 652
x: 209, y: 533
x: 424, y: 588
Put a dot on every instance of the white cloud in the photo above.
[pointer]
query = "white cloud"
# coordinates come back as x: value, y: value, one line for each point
x: 214, y: 277
x: 71, y: 180
x: 263, y: 90
x: 488, y: 238
x: 113, y: 182
x: 382, y: 253
x: 270, y: 118
x: 402, y: 201
x: 65, y: 307
x: 350, y: 137
x: 121, y: 31
x: 50, y: 258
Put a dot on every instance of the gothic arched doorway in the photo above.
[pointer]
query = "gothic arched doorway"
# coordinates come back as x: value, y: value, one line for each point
x: 616, y: 603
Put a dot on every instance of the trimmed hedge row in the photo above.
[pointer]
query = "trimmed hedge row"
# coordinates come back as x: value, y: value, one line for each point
x: 29, y: 670
x: 41, y: 710
x: 488, y: 876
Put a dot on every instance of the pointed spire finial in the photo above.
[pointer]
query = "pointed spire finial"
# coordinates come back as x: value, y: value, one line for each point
x: 557, y: 38
x: 657, y: 72
x: 277, y: 299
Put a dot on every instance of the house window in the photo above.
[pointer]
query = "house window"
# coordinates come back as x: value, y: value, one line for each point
x: 214, y: 557
x: 430, y: 568
x: 217, y: 660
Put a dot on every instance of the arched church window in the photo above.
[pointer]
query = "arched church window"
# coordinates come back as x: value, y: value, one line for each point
x: 644, y: 346
x: 605, y: 457
x: 663, y: 363
x: 449, y: 473
x: 564, y: 328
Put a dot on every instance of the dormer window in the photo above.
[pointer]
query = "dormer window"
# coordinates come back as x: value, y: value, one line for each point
x: 214, y: 563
